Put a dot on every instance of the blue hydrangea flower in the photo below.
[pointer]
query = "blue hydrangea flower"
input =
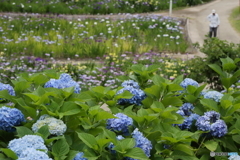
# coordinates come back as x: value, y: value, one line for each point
x: 7, y: 87
x: 33, y: 154
x: 130, y: 83
x: 111, y: 145
x: 210, y: 121
x: 186, y: 109
x: 29, y: 141
x: 234, y: 157
x: 188, y: 121
x: 10, y: 117
x: 55, y: 126
x: 142, y: 142
x: 188, y: 81
x: 219, y: 128
x: 79, y: 156
x: 120, y: 124
x: 64, y: 81
x: 138, y: 96
x: 214, y: 95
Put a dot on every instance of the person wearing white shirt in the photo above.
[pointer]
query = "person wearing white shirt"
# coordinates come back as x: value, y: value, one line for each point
x: 214, y: 22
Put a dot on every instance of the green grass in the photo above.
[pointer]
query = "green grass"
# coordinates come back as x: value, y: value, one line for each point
x: 235, y: 18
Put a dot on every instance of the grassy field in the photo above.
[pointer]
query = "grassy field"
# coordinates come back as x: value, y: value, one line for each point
x: 235, y: 19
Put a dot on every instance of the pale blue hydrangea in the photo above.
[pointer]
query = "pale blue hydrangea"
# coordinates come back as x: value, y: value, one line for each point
x: 120, y: 124
x: 33, y: 154
x: 10, y: 117
x: 188, y: 121
x: 138, y: 96
x: 130, y: 83
x: 7, y: 87
x: 214, y: 95
x: 55, y: 126
x: 188, y: 81
x: 142, y: 142
x: 79, y: 156
x: 28, y: 141
x: 234, y: 157
x: 210, y: 121
x: 64, y: 81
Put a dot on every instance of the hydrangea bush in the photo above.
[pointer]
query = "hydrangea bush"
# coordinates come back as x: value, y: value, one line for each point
x: 91, y: 125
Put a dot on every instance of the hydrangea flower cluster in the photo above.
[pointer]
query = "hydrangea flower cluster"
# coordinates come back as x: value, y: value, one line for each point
x: 130, y: 83
x: 189, y: 117
x: 33, y: 154
x: 28, y: 141
x: 120, y: 124
x: 214, y: 95
x: 55, y: 126
x: 79, y: 156
x: 64, y: 81
x: 211, y: 121
x: 188, y: 81
x: 7, y: 87
x: 10, y: 117
x: 142, y: 142
x: 133, y: 88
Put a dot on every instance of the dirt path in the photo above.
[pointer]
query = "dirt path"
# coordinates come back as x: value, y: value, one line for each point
x: 198, y: 24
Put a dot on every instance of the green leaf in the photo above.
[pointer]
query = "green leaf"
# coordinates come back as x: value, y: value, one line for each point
x: 5, y: 95
x: 125, y: 144
x: 60, y: 148
x: 69, y: 108
x: 72, y: 154
x: 21, y: 86
x: 104, y: 115
x: 211, y: 145
x: 22, y: 131
x: 158, y: 80
x: 109, y: 134
x: 88, y: 139
x: 191, y: 89
x: 228, y: 64
x: 9, y: 153
x: 211, y: 104
x: 44, y: 131
x: 171, y: 101
x: 184, y: 148
x: 190, y: 98
x: 136, y: 153
x: 174, y: 87
x: 103, y: 142
x: 217, y: 69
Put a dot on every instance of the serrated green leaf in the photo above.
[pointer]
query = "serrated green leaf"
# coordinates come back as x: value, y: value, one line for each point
x: 104, y: 115
x: 171, y: 101
x: 22, y: 131
x: 60, y: 148
x: 184, y: 148
x: 44, y: 131
x: 136, y: 153
x: 211, y: 104
x: 88, y: 139
x: 211, y: 145
x: 9, y: 153
x: 72, y: 154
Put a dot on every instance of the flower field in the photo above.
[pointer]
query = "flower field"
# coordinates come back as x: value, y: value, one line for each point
x: 91, y: 6
x: 60, y: 38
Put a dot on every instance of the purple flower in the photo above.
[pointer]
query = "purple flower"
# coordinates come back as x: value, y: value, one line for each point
x: 7, y: 87
x: 188, y: 81
x: 214, y: 95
